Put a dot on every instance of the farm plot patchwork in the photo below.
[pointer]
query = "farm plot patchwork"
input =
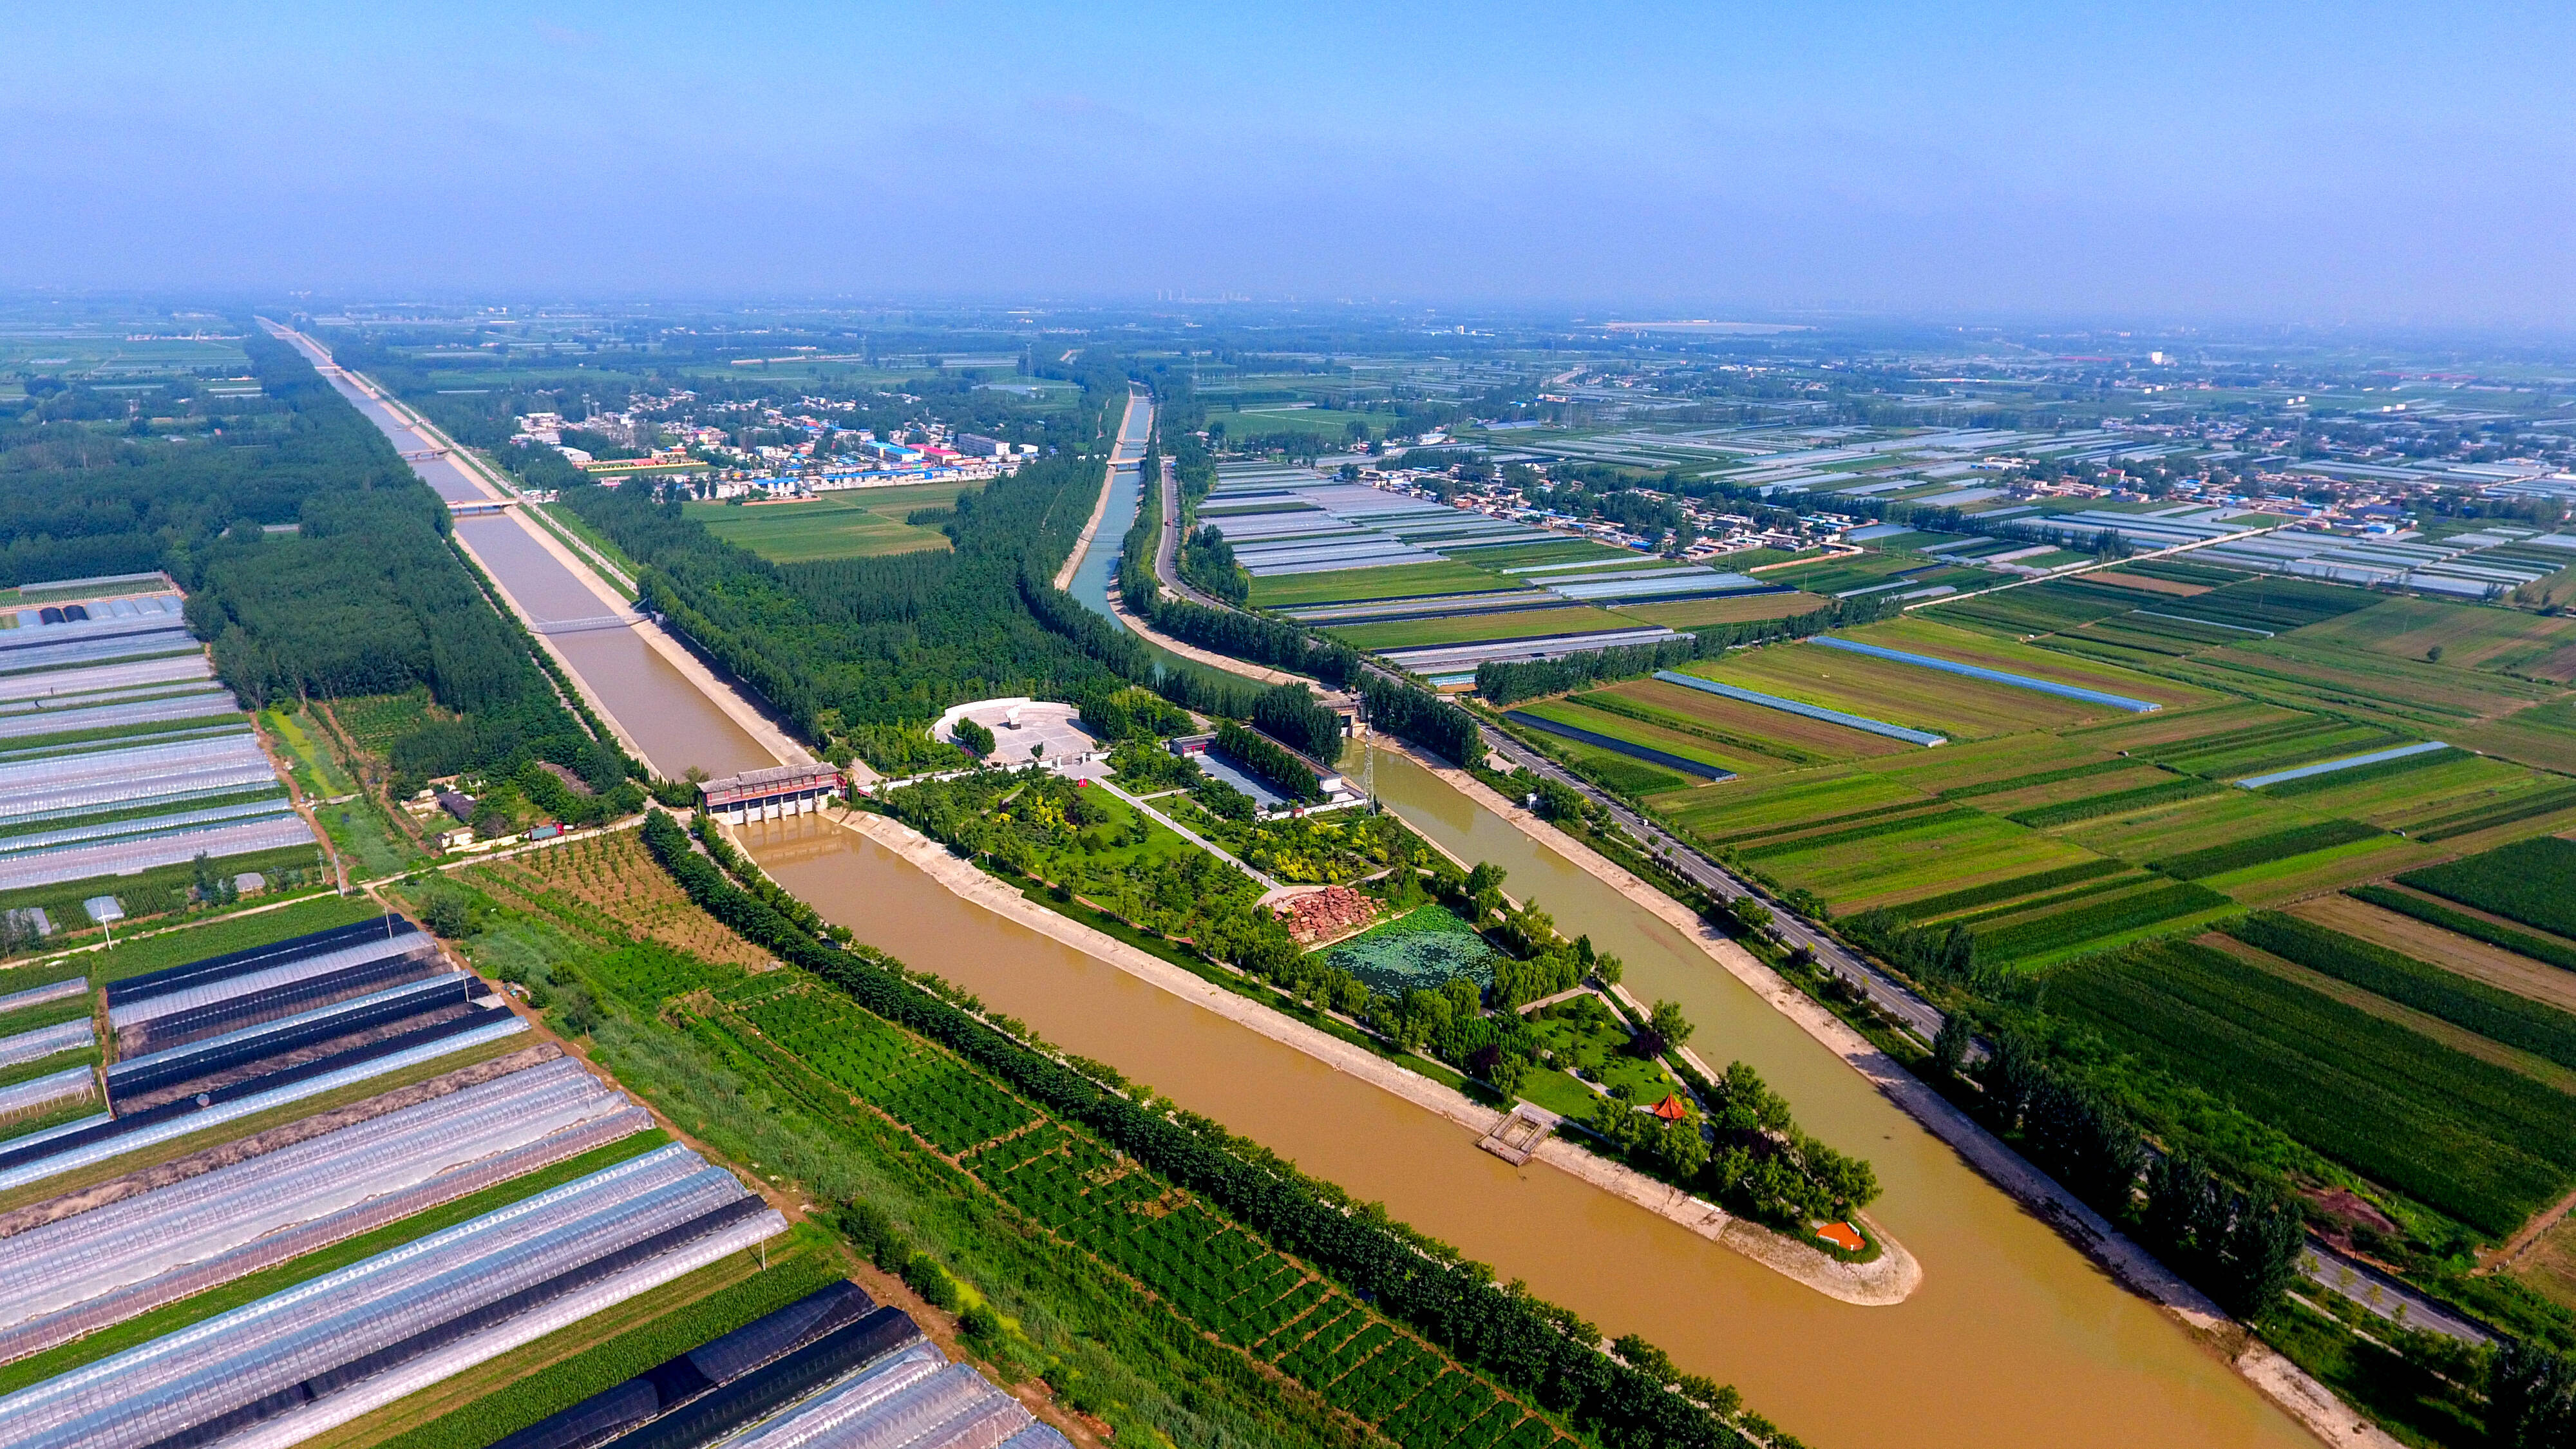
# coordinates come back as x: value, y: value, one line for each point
x: 2543, y: 736
x: 855, y: 523
x: 2466, y: 636
x: 1476, y: 628
x: 2500, y: 956
x: 1674, y: 713
x: 1898, y: 693
x: 2401, y: 694
x: 2019, y: 662
x: 1621, y: 734
x: 2472, y: 1139
x: 2532, y: 881
x: 2500, y: 1016
x: 1870, y: 859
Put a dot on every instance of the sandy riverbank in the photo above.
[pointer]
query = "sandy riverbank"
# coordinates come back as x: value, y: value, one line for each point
x: 1887, y: 1280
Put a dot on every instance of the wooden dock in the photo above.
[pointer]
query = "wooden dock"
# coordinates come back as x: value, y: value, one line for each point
x: 1519, y: 1133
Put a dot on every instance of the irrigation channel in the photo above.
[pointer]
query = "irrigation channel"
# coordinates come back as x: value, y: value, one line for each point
x: 2014, y: 1339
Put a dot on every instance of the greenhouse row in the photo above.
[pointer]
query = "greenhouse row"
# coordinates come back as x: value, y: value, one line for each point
x: 176, y: 781
x: 106, y: 679
x: 63, y: 990
x: 112, y: 777
x: 66, y: 716
x: 147, y: 826
x: 115, y: 639
x: 80, y: 1273
x: 26, y: 1159
x: 246, y: 976
x: 251, y: 1045
x: 45, y: 1093
x: 326, y: 1350
x: 44, y: 1041
x: 131, y: 857
x: 203, y: 1012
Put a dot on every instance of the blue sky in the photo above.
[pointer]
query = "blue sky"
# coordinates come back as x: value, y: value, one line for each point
x: 2322, y: 163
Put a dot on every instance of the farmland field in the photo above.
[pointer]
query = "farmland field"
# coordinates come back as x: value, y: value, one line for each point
x: 856, y: 523
x: 1397, y: 581
x: 2543, y: 736
x: 1473, y: 628
x: 1898, y: 694
x: 1873, y: 859
x: 2402, y: 693
x: 1622, y: 725
x: 1736, y: 727
x: 2533, y: 882
x: 1697, y: 613
x: 2427, y: 941
x: 1925, y: 635
x: 2469, y: 636
x: 2477, y: 925
x: 2470, y: 1138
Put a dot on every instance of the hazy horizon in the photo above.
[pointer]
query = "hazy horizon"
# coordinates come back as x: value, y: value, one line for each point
x: 2359, y: 165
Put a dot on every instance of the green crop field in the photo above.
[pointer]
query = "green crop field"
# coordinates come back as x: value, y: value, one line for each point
x: 1470, y: 628
x: 1793, y: 739
x: 2477, y: 1141
x: 1623, y: 725
x: 2468, y: 636
x: 1396, y: 581
x: 2544, y: 1031
x: 2533, y: 882
x: 1265, y: 419
x: 855, y: 523
x: 1858, y: 864
x: 1698, y: 613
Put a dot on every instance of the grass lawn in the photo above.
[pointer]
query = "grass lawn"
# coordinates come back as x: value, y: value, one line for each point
x: 854, y: 523
x: 1558, y: 1093
x: 1585, y: 1036
x: 1516, y: 624
x: 1396, y: 581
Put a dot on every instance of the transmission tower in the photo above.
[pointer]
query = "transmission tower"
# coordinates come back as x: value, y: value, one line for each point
x: 1368, y: 753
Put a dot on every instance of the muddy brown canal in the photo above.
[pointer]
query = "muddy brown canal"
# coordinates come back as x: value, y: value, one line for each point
x: 2013, y: 1340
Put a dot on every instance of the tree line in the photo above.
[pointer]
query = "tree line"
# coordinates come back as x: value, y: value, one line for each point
x: 366, y: 595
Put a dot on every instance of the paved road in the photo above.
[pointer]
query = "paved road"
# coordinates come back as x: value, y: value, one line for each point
x: 1167, y: 557
x: 2385, y: 1296
x: 1186, y: 833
